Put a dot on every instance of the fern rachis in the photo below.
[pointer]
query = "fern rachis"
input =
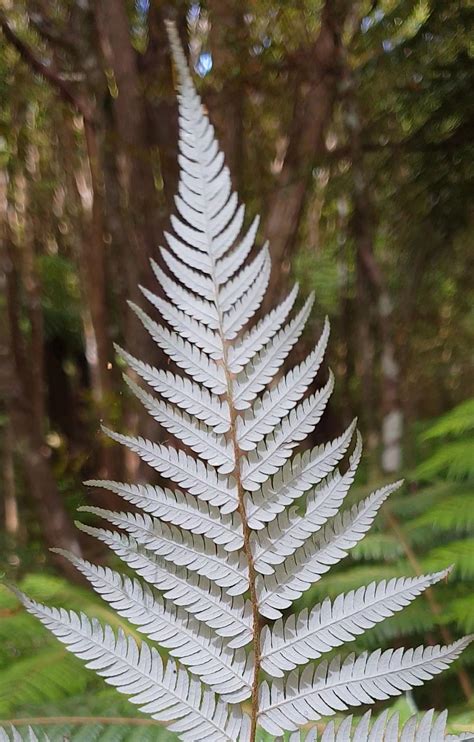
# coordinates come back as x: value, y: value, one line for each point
x: 226, y: 533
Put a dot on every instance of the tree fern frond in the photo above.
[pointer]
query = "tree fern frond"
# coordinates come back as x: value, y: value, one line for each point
x: 296, y: 575
x: 187, y: 356
x: 227, y: 266
x: 289, y: 530
x: 166, y: 693
x: 180, y: 509
x: 277, y: 447
x: 194, y: 475
x: 262, y: 369
x: 199, y: 335
x: 383, y: 728
x: 213, y: 448
x: 309, y: 635
x: 325, y: 689
x: 199, y: 309
x: 295, y: 478
x: 202, y: 285
x: 228, y: 570
x: 253, y: 341
x: 230, y: 616
x: 188, y: 396
x: 227, y: 671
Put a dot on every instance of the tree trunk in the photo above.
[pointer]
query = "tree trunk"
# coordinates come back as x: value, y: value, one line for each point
x: 23, y: 393
x: 372, y: 286
x: 226, y: 99
x: 316, y: 87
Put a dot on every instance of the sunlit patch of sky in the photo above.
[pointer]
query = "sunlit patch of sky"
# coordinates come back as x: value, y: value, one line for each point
x: 142, y: 6
x: 371, y: 20
x: 204, y: 64
x: 193, y: 12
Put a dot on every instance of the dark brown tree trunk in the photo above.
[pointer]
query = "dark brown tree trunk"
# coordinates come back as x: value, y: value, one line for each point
x: 317, y: 78
x: 372, y: 288
x: 23, y: 392
x: 226, y: 99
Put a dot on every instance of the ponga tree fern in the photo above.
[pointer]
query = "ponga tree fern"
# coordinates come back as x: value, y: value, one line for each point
x: 222, y: 553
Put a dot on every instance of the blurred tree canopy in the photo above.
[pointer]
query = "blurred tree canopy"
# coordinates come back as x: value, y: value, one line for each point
x: 347, y: 125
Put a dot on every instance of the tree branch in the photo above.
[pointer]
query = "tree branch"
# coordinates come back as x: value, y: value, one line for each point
x: 55, y: 80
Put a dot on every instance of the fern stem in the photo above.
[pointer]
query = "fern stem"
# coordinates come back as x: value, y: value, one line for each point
x: 251, y: 566
x: 246, y: 531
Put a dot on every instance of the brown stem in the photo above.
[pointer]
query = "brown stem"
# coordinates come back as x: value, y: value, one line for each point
x: 429, y: 595
x: 250, y: 561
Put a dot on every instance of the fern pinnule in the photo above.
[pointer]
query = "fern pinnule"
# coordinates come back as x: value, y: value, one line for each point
x: 225, y: 552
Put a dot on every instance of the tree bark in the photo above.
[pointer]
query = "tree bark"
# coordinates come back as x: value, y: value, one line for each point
x: 372, y: 285
x: 226, y: 98
x: 317, y: 78
x: 24, y: 394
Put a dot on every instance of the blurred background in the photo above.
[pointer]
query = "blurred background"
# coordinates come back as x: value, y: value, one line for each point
x: 346, y: 125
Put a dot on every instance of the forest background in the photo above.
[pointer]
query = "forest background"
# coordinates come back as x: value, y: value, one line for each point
x: 348, y: 126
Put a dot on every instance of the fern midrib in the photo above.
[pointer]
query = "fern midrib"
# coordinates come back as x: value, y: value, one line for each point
x: 247, y: 548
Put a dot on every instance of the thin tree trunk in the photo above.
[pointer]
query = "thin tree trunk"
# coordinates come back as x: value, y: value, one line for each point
x: 24, y: 395
x: 372, y: 287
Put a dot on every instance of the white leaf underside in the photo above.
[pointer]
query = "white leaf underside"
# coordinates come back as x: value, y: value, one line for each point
x: 305, y: 567
x: 164, y: 692
x: 229, y: 616
x: 241, y: 408
x: 328, y: 625
x: 180, y: 509
x: 225, y: 670
x: 227, y: 570
x: 325, y: 689
x: 386, y: 727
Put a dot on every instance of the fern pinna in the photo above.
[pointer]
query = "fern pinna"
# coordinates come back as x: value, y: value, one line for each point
x: 223, y: 557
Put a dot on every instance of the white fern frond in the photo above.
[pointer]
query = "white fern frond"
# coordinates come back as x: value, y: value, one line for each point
x: 199, y: 309
x: 307, y: 636
x: 210, y: 342
x: 230, y: 264
x: 165, y: 693
x: 324, y: 689
x: 229, y: 616
x: 210, y: 446
x: 295, y: 478
x: 282, y: 536
x: 187, y: 356
x: 273, y: 452
x: 261, y: 370
x: 385, y: 727
x: 180, y: 509
x: 287, y: 393
x: 227, y: 671
x: 201, y: 284
x: 188, y: 396
x: 186, y: 471
x: 252, y: 341
x: 305, y: 567
x: 183, y: 549
x: 427, y: 727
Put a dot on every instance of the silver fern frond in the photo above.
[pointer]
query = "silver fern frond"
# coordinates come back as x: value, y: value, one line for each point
x: 222, y: 552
